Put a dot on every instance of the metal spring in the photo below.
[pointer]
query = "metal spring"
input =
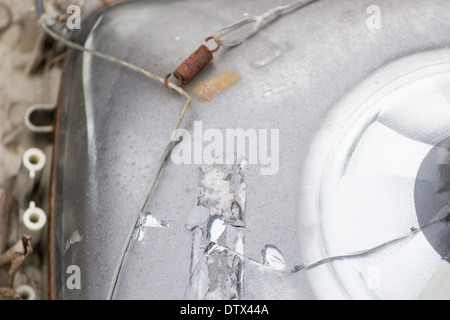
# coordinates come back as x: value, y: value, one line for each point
x: 193, y: 65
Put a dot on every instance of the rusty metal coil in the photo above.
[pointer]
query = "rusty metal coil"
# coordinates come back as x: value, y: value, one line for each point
x: 193, y: 65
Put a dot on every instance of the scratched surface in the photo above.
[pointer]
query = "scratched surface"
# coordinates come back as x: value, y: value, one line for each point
x: 291, y: 77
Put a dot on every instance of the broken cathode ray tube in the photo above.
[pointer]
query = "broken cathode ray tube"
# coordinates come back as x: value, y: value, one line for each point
x: 219, y: 36
x: 44, y: 22
x: 260, y: 21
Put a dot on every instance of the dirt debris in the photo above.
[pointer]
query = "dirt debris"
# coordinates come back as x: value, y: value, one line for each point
x: 10, y: 262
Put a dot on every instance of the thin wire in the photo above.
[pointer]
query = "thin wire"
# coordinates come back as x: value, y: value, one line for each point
x: 305, y: 267
x: 258, y: 21
x: 164, y: 155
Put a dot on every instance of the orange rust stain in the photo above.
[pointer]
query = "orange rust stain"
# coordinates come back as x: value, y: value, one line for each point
x: 208, y: 88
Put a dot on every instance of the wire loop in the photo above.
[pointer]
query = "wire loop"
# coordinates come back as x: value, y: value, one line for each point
x: 219, y: 44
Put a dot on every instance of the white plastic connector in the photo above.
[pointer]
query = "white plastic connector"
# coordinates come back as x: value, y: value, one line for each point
x: 31, y: 168
x: 39, y: 112
x: 34, y: 221
x: 34, y: 160
x: 26, y: 292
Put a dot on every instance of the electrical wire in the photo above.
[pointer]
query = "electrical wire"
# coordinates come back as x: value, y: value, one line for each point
x: 258, y: 22
x: 221, y: 38
x: 43, y: 23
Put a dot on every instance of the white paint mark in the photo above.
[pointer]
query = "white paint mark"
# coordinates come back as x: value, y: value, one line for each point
x: 74, y: 238
x: 151, y: 222
x: 216, y: 228
x: 239, y: 248
x: 148, y: 221
x: 273, y: 258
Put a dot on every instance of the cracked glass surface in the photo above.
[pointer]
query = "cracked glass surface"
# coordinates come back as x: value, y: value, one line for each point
x: 339, y: 220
